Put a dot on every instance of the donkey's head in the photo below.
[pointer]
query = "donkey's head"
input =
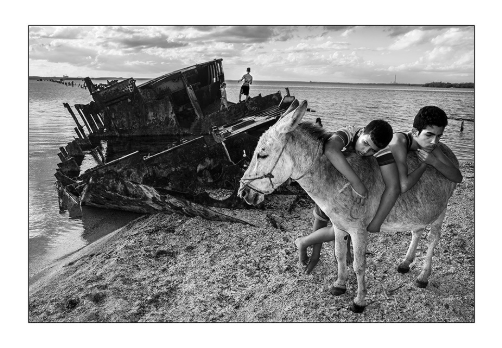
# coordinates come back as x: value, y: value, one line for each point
x: 270, y: 165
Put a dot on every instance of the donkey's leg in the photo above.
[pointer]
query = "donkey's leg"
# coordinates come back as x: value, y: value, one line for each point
x: 423, y: 278
x: 360, y: 241
x: 404, y: 266
x: 340, y: 285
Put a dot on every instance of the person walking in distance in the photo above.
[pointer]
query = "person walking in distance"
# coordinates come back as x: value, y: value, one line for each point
x: 248, y: 80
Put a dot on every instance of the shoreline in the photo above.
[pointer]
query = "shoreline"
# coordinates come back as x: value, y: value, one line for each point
x: 161, y: 267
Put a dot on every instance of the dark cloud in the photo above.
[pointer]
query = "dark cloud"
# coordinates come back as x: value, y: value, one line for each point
x: 205, y: 28
x: 244, y: 34
x: 284, y: 33
x: 338, y: 27
x: 247, y: 34
x: 125, y: 30
x: 138, y: 42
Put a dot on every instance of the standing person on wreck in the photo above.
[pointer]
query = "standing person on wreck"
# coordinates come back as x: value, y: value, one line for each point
x: 248, y: 80
x: 428, y: 128
x: 371, y: 140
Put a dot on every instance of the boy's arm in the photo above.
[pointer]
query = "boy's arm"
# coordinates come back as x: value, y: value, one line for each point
x: 407, y: 181
x: 333, y: 150
x: 390, y: 177
x: 442, y: 163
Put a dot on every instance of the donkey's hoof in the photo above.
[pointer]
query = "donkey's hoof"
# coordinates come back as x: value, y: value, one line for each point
x: 403, y: 269
x: 336, y: 291
x: 356, y: 308
x: 421, y: 284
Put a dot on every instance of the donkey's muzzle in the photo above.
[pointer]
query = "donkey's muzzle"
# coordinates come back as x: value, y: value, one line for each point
x: 243, y: 191
x: 249, y: 195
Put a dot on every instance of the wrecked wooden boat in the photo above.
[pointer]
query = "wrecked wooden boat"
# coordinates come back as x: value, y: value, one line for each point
x: 162, y: 144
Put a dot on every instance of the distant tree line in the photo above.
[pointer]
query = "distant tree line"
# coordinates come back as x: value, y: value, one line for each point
x: 449, y: 85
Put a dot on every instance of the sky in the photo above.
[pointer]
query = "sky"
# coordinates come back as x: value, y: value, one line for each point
x: 351, y: 54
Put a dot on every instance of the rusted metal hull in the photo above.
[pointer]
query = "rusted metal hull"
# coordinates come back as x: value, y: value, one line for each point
x: 166, y: 135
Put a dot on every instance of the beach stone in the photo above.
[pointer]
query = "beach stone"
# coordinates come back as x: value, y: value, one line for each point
x: 72, y: 303
x: 98, y: 297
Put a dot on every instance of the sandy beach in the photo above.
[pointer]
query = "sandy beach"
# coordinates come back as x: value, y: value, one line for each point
x: 174, y: 268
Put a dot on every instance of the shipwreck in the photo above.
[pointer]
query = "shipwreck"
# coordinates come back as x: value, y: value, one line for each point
x: 163, y: 145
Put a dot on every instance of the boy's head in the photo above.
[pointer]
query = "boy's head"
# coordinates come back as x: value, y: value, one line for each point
x: 223, y: 85
x: 376, y: 136
x: 430, y: 116
x: 249, y: 69
x: 428, y: 126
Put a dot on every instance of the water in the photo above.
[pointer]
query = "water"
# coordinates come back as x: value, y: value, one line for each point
x: 53, y: 235
x: 339, y: 105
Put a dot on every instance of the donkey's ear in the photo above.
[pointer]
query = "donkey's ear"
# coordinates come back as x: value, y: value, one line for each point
x: 289, y: 122
x: 292, y: 106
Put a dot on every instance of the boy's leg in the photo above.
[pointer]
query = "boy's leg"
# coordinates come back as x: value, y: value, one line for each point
x: 320, y: 220
x: 316, y: 248
x: 320, y: 236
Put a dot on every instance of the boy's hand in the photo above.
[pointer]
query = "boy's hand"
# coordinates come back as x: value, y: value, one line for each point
x: 360, y: 194
x: 427, y: 157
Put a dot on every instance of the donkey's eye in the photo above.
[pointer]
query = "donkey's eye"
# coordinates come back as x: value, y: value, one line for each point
x: 261, y: 156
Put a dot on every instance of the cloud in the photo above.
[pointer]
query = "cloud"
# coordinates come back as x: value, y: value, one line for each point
x: 439, y: 59
x: 324, y: 46
x: 36, y: 32
x: 395, y: 31
x: 454, y: 37
x: 69, y: 33
x: 59, y: 52
x: 411, y: 38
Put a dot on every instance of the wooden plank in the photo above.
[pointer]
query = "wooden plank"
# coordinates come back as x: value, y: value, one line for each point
x: 63, y: 179
x: 79, y: 107
x: 74, y: 150
x: 64, y: 152
x: 78, y: 133
x: 99, y: 121
x: 68, y: 107
x: 89, y: 119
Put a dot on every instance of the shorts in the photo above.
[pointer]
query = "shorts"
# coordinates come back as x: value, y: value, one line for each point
x: 319, y: 214
x: 245, y: 90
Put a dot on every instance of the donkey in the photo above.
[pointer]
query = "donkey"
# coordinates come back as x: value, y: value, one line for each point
x: 291, y: 149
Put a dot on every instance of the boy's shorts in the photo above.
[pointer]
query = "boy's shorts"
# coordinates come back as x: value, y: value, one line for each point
x: 245, y: 90
x: 319, y: 214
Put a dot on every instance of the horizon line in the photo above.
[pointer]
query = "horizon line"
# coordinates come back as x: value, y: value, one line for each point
x: 360, y: 83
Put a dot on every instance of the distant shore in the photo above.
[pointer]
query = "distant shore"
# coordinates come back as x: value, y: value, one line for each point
x: 175, y: 268
x: 429, y: 84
